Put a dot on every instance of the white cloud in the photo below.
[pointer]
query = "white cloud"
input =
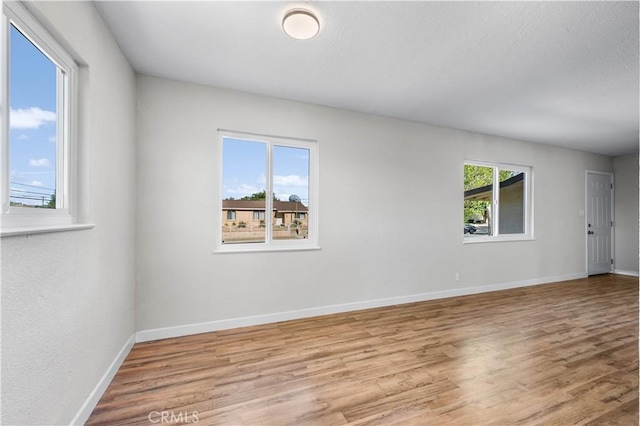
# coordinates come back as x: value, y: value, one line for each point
x: 30, y: 118
x: 242, y: 190
x: 284, y: 186
x: 23, y: 137
x: 53, y: 139
x: 41, y: 162
x: 291, y: 180
x: 36, y: 183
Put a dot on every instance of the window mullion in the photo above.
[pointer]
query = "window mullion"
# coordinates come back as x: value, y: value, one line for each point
x: 495, y: 217
x: 4, y: 100
x: 525, y: 204
x: 61, y: 146
x: 268, y: 207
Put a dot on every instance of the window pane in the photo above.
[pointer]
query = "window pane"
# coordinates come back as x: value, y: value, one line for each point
x: 511, y: 202
x: 291, y: 188
x: 244, y: 170
x: 32, y: 123
x: 478, y: 193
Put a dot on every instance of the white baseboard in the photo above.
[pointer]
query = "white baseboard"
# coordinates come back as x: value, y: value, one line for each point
x: 630, y: 273
x: 94, y: 397
x: 205, y: 327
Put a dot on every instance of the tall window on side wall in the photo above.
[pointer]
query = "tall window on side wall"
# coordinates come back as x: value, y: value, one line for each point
x: 38, y: 98
x: 497, y: 202
x: 268, y: 193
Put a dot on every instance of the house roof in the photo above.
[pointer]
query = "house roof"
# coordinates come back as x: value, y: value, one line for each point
x: 280, y: 206
x: 289, y: 206
x: 482, y: 193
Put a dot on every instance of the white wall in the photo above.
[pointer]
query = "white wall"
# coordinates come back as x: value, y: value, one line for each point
x: 370, y: 167
x: 626, y: 213
x: 68, y: 298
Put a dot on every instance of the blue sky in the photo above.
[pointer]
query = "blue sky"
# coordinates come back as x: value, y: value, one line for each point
x: 32, y: 87
x: 33, y: 136
x: 245, y: 168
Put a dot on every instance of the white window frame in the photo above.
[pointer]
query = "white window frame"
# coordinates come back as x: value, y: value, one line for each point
x: 310, y: 243
x: 231, y: 213
x: 64, y: 215
x: 495, y: 216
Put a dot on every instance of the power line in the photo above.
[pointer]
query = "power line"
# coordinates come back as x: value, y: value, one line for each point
x: 21, y: 197
x: 33, y: 186
x: 31, y: 192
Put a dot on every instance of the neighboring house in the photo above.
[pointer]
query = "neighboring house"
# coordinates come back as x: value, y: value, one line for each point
x: 252, y: 213
x: 511, y: 203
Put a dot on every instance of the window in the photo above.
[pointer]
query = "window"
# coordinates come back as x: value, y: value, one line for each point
x: 39, y: 87
x: 502, y: 214
x: 271, y: 182
x: 231, y: 215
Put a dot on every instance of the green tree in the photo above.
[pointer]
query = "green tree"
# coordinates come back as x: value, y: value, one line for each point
x: 478, y: 177
x: 262, y: 195
x: 52, y: 202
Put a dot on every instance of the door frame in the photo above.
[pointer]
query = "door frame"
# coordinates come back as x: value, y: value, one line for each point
x: 586, y: 212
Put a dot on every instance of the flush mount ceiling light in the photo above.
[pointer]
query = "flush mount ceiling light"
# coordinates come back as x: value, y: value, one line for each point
x: 300, y: 24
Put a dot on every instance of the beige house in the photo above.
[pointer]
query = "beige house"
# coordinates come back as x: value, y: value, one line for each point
x: 244, y: 220
x: 251, y: 213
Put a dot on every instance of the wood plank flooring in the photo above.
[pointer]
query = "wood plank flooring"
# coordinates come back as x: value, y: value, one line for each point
x: 556, y: 354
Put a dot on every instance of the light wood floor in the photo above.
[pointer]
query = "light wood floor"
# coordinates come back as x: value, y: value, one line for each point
x: 556, y: 354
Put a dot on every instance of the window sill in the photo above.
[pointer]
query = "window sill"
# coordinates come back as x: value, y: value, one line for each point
x: 477, y: 240
x: 260, y: 250
x: 32, y: 230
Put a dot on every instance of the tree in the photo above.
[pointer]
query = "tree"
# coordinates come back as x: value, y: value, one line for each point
x: 52, y: 202
x: 262, y: 195
x: 477, y: 177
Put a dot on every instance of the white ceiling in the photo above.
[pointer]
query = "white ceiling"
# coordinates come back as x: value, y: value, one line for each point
x: 559, y: 73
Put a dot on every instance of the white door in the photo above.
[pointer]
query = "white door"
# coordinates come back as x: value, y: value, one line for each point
x: 599, y: 223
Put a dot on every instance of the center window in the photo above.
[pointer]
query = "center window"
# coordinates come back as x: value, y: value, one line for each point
x: 497, y: 202
x: 268, y: 199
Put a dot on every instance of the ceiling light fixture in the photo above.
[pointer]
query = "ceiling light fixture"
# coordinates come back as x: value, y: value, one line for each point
x: 300, y: 24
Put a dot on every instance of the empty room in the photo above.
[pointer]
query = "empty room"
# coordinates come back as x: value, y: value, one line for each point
x: 319, y: 213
